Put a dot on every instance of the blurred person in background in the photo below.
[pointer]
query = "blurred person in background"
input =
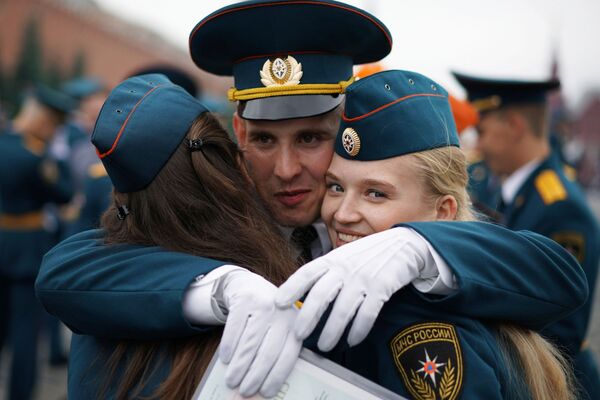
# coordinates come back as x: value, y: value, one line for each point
x: 71, y: 145
x: 537, y: 195
x: 29, y: 179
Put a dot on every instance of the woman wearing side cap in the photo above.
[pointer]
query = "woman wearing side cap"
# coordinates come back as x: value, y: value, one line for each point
x: 398, y: 159
x: 179, y: 184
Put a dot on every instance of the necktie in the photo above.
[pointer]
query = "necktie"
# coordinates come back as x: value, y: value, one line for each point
x: 302, y: 237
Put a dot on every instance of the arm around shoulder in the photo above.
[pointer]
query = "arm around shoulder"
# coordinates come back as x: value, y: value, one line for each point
x: 515, y: 276
x: 118, y: 291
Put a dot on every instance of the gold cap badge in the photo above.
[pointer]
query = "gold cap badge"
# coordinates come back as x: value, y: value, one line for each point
x: 351, y: 141
x: 281, y: 72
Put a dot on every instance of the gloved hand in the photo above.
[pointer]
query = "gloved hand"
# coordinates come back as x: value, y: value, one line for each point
x: 258, y: 343
x: 363, y: 275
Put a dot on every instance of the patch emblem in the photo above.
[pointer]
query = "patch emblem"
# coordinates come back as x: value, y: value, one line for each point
x: 49, y: 171
x: 429, y: 359
x: 281, y: 72
x: 573, y: 242
x: 479, y: 173
x: 351, y: 141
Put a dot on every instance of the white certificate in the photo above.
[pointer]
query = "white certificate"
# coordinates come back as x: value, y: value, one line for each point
x: 313, y: 378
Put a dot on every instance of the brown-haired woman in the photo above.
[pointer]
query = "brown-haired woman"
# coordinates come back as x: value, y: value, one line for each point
x: 180, y: 184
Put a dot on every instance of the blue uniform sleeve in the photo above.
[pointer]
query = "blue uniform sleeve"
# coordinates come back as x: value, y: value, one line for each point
x: 512, y: 276
x: 118, y: 291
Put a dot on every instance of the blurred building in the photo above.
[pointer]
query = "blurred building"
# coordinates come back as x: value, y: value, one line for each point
x: 108, y: 47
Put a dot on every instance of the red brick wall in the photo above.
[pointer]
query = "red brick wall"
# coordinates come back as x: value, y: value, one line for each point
x: 112, y: 48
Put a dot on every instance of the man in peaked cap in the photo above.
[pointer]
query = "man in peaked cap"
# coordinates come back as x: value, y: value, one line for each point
x: 291, y: 62
x: 29, y: 179
x: 536, y: 195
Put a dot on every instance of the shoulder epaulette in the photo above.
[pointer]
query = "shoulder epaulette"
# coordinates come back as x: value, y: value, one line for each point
x: 550, y: 187
x: 34, y: 145
x: 97, y: 170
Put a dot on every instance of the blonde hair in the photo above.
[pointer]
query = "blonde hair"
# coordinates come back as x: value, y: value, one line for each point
x: 444, y: 172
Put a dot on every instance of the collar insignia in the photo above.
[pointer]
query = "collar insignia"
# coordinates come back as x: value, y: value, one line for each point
x: 281, y: 72
x: 351, y: 141
x: 429, y: 359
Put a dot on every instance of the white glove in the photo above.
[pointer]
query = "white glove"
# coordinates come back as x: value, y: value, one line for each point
x: 363, y: 275
x: 258, y: 343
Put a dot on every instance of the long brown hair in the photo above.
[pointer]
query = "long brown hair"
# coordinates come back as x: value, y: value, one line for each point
x: 201, y: 203
x: 444, y: 171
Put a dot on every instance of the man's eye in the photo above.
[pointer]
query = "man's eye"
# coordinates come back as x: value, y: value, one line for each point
x: 308, y: 138
x: 263, y: 139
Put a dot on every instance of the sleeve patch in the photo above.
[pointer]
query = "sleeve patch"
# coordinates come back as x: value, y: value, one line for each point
x: 573, y: 242
x: 550, y: 187
x: 430, y: 361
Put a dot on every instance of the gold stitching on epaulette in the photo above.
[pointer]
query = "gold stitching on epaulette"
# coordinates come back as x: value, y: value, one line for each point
x: 97, y: 171
x: 550, y: 187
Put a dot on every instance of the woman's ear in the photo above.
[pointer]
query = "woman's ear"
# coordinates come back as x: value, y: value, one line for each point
x: 446, y: 208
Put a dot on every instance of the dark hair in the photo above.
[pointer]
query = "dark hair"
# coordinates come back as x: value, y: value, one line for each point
x: 201, y: 203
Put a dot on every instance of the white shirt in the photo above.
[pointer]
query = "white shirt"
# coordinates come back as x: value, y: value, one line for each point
x: 512, y: 184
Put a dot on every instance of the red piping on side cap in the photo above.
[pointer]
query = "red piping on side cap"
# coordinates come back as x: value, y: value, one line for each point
x: 114, y: 145
x: 345, y: 118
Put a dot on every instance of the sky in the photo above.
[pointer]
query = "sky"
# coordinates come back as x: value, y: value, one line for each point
x: 489, y: 38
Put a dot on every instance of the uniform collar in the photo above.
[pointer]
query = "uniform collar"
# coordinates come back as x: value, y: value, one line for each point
x: 512, y: 184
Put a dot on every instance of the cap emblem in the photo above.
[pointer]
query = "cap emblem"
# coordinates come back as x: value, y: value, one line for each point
x: 351, y: 141
x: 281, y: 72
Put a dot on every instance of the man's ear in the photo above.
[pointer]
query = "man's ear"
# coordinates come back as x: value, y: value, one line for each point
x: 239, y: 129
x: 446, y: 208
x: 517, y: 123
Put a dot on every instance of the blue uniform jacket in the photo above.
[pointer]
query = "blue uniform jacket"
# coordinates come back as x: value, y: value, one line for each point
x: 421, y: 353
x: 28, y: 180
x: 554, y: 206
x: 134, y: 292
x: 97, y: 188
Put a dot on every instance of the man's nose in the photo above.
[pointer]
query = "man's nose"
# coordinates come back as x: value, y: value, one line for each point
x: 288, y: 164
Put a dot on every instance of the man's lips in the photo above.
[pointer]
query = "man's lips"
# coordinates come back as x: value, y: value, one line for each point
x: 290, y: 198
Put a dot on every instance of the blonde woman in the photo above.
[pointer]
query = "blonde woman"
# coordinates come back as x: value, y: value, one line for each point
x: 397, y: 160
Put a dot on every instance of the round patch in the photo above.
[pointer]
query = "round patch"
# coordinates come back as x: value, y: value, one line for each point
x: 351, y: 141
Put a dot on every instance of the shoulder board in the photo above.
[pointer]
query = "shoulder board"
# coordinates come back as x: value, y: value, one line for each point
x: 97, y: 171
x: 34, y: 145
x: 550, y: 188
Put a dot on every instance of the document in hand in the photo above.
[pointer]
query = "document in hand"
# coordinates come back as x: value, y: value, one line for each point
x: 313, y: 377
